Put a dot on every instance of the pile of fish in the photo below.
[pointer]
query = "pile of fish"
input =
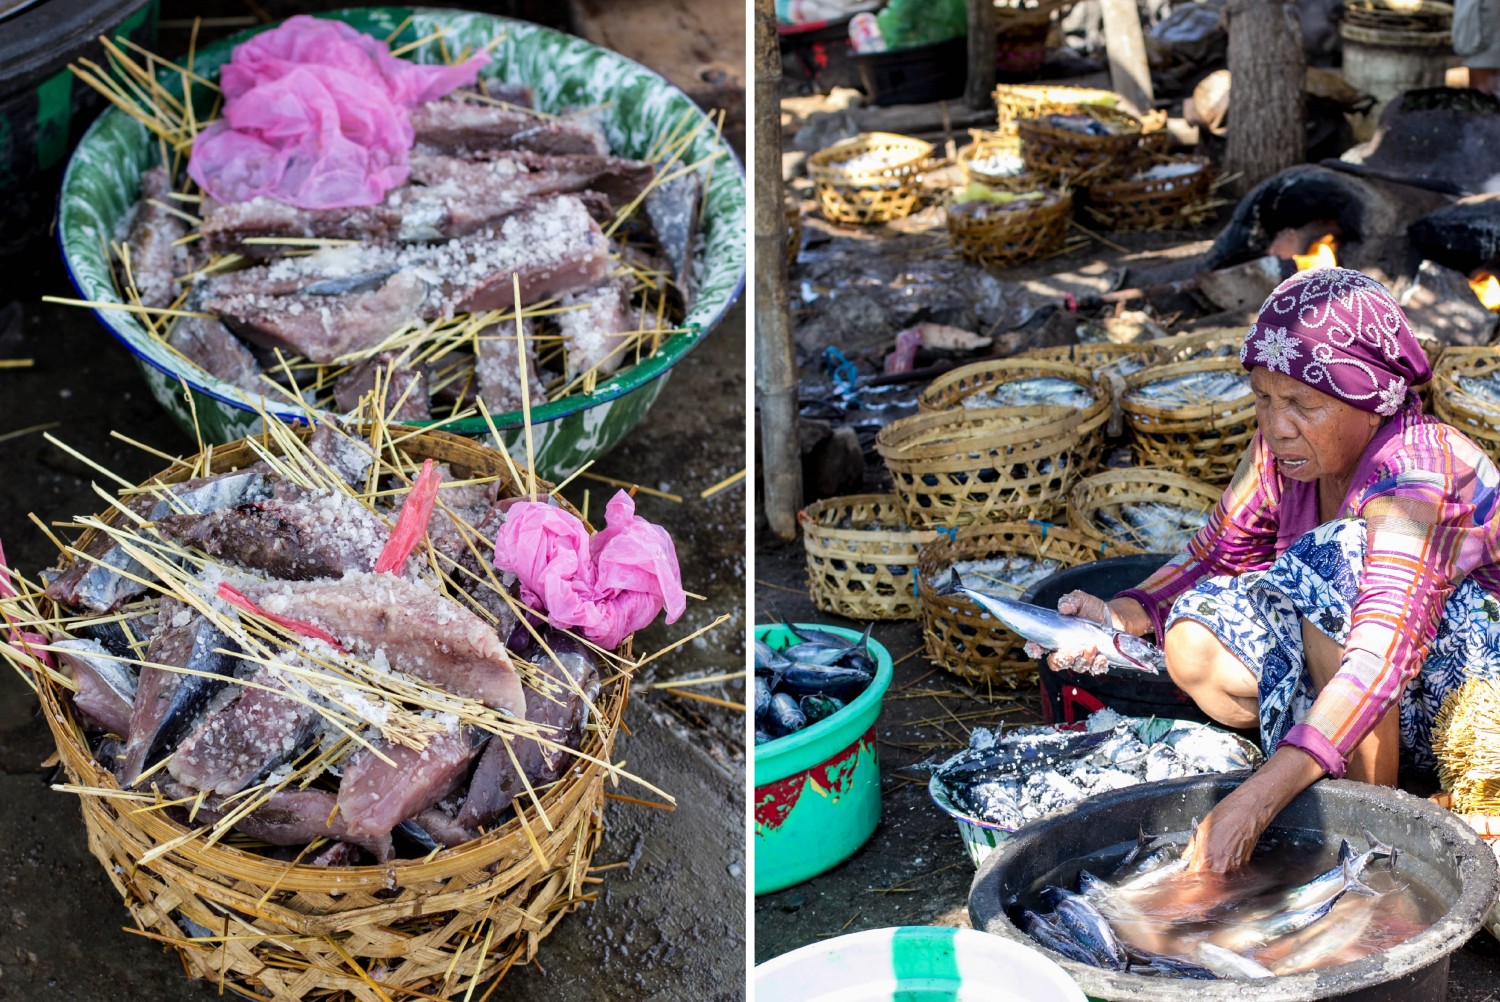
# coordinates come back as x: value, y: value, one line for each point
x: 1153, y: 918
x: 1483, y: 393
x: 1154, y: 526
x: 1195, y: 389
x: 389, y: 718
x: 998, y: 164
x: 1041, y: 390
x: 1086, y: 125
x: 817, y: 675
x: 1015, y: 776
x: 495, y: 193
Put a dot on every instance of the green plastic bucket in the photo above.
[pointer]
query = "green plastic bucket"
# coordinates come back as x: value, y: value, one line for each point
x: 817, y: 792
x: 915, y: 964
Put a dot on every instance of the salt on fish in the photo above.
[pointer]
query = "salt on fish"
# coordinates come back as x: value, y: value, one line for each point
x: 1027, y: 392
x: 1193, y: 389
x: 1483, y: 392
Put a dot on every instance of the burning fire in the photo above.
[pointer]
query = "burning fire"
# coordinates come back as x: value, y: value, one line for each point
x: 1319, y: 255
x: 1487, y: 287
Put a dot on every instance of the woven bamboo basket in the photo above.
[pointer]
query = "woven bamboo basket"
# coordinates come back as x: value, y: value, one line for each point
x: 1460, y: 409
x: 965, y: 639
x: 408, y: 929
x: 1018, y: 234
x: 1016, y: 101
x: 1107, y: 492
x: 861, y: 557
x: 952, y: 388
x: 986, y: 145
x: 1205, y: 441
x: 1149, y: 204
x: 951, y: 468
x: 1077, y: 158
x: 853, y: 193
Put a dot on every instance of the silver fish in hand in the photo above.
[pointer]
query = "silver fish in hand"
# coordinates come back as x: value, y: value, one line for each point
x: 1053, y: 631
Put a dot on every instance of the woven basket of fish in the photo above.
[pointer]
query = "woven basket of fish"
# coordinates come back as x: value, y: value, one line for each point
x: 1141, y: 509
x: 1017, y: 101
x: 1158, y: 196
x: 1023, y: 381
x: 997, y: 464
x: 873, y: 178
x: 995, y: 160
x: 992, y: 226
x: 328, y: 787
x: 962, y: 637
x: 1197, y: 416
x: 1080, y: 145
x: 618, y: 234
x: 1466, y: 394
x: 1100, y: 356
x: 1008, y: 778
x: 862, y: 556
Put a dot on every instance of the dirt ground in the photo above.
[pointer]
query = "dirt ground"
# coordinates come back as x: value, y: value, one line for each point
x: 914, y: 869
x: 669, y: 919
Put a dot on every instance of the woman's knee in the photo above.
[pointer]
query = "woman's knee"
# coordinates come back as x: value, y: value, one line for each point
x: 1196, y: 657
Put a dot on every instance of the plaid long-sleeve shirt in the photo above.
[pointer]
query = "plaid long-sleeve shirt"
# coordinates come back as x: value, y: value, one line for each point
x: 1428, y: 497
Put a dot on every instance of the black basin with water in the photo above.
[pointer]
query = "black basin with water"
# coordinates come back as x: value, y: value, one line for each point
x: 1438, y: 851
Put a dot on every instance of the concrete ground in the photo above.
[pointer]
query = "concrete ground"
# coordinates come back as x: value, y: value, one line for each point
x: 668, y: 924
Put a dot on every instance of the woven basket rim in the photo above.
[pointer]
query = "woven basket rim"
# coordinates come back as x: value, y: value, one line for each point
x: 1054, y: 368
x: 288, y: 876
x: 921, y: 437
x: 814, y: 529
x: 1028, y: 217
x: 932, y: 556
x: 1187, y: 184
x: 1068, y: 137
x: 824, y: 164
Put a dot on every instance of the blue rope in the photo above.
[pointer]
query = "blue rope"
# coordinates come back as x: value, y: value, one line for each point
x: 843, y: 373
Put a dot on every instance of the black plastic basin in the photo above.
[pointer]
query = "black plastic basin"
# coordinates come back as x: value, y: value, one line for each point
x: 1438, y: 851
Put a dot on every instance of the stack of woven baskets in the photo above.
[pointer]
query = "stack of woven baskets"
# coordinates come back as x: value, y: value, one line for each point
x: 1466, y: 394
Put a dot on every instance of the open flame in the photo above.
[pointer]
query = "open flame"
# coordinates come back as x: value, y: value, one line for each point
x: 1319, y: 255
x: 1487, y: 287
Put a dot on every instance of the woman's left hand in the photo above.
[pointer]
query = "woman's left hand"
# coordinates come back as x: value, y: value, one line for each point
x: 1226, y: 838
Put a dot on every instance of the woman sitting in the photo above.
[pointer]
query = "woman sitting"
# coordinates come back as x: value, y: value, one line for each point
x: 1348, y: 579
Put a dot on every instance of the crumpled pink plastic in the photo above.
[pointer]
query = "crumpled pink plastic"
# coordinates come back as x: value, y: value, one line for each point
x: 316, y: 115
x: 606, y: 587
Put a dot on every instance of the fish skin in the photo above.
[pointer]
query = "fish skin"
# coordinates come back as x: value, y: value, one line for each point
x: 289, y: 817
x: 805, y: 680
x: 375, y: 796
x: 818, y: 707
x: 762, y: 697
x: 167, y: 702
x: 1053, y: 938
x: 1030, y: 757
x: 813, y: 654
x: 106, y: 687
x: 786, y: 714
x: 1054, y: 631
x: 1079, y: 917
x: 419, y: 631
x: 1228, y: 964
x: 1170, y: 966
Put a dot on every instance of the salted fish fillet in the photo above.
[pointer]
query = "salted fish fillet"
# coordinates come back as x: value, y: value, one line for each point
x: 454, y: 126
x: 419, y: 631
x: 406, y: 385
x: 155, y: 256
x: 86, y: 584
x: 594, y: 334
x: 324, y: 328
x: 375, y: 796
x: 298, y: 534
x: 211, y: 346
x: 106, y: 687
x: 250, y: 736
x: 497, y: 366
x: 167, y: 702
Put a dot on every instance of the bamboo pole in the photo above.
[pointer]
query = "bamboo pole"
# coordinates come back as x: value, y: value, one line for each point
x: 775, y: 357
x: 1125, y: 43
x: 981, y: 87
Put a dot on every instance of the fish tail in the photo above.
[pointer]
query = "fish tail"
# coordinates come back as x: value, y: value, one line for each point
x: 1379, y: 850
x: 1352, y: 882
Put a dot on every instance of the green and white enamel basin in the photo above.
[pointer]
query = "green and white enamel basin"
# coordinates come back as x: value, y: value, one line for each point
x: 638, y: 106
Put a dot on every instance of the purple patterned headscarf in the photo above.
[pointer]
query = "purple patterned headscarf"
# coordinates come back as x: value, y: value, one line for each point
x: 1342, y: 333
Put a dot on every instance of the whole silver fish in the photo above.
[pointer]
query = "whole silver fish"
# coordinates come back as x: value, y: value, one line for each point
x: 1052, y: 630
x: 1228, y: 964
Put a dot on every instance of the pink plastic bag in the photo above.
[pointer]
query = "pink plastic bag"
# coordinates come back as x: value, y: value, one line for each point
x: 607, y: 586
x: 316, y: 115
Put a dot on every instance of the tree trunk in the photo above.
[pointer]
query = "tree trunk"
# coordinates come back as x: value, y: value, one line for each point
x: 1125, y: 44
x: 981, y: 87
x: 1267, y: 128
x: 775, y: 357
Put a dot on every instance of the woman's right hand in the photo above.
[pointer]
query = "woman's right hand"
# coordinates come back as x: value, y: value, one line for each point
x: 1088, y: 660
